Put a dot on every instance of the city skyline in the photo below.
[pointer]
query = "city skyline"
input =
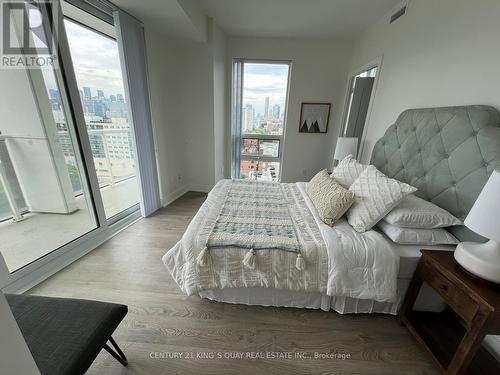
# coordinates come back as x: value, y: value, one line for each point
x: 261, y: 81
x: 103, y: 70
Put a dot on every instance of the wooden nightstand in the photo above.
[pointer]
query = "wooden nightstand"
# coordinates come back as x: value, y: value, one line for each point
x: 453, y: 338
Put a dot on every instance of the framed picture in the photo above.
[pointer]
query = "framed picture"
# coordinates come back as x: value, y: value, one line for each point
x: 314, y: 117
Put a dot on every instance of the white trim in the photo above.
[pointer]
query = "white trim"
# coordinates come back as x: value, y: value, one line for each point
x: 377, y: 62
x: 171, y: 197
x: 200, y: 188
x: 31, y: 275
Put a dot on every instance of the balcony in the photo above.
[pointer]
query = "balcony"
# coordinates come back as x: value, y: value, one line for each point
x: 43, y: 202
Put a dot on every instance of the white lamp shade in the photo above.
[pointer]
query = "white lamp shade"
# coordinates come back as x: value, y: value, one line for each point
x: 346, y: 146
x: 484, y: 217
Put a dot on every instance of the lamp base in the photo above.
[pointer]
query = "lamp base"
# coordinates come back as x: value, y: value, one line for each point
x: 480, y: 259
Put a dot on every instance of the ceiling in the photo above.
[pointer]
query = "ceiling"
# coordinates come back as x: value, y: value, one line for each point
x: 171, y: 17
x: 296, y: 18
x: 261, y: 18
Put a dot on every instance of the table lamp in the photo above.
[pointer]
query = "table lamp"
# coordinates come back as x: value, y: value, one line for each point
x: 346, y: 146
x: 483, y: 259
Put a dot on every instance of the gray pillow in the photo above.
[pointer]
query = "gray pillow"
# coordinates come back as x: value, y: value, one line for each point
x: 330, y: 199
x: 415, y: 212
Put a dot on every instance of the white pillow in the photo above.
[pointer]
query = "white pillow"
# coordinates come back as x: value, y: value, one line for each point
x: 375, y: 195
x: 413, y: 236
x: 415, y: 212
x: 347, y: 171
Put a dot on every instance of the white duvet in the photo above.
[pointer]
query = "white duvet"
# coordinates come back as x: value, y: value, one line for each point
x: 352, y: 264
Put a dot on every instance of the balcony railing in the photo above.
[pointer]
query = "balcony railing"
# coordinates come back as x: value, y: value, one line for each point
x: 12, y: 204
x: 114, y: 160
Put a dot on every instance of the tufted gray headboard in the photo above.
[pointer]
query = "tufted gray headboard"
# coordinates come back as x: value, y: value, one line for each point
x: 447, y: 153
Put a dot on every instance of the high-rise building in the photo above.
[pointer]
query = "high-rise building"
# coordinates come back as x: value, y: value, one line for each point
x: 276, y: 111
x: 119, y: 98
x: 266, y: 108
x: 55, y: 98
x: 100, y: 94
x: 100, y: 109
x: 87, y: 93
x: 112, y: 98
x: 248, y: 117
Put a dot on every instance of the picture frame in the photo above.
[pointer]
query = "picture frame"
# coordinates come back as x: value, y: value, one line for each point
x: 314, y: 117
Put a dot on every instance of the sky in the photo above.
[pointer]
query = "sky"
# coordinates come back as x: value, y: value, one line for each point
x: 95, y: 59
x: 264, y: 80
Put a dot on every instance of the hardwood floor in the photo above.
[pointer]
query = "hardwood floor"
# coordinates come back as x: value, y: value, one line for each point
x: 162, y: 320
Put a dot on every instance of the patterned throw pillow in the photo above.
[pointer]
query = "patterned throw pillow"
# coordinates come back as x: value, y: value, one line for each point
x: 330, y: 199
x: 375, y: 195
x: 348, y: 171
x: 415, y: 212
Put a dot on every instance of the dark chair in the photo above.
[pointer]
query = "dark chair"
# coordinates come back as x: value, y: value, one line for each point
x: 65, y: 335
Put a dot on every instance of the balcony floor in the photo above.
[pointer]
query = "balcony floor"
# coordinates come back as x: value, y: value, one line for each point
x: 41, y: 233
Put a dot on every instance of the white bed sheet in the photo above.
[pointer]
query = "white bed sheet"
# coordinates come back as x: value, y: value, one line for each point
x: 362, y: 266
x: 347, y: 250
x: 408, y: 255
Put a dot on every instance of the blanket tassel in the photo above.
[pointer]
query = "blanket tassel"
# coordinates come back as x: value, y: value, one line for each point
x: 203, y: 257
x: 300, y: 263
x: 249, y: 259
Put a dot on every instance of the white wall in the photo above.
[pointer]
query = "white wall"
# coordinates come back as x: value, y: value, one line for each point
x: 319, y: 73
x: 441, y: 53
x: 15, y: 357
x: 198, y: 110
x: 188, y: 105
x: 218, y: 42
x: 165, y: 83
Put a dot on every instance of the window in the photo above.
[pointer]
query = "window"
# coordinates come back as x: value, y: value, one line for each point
x: 99, y: 76
x: 259, y: 111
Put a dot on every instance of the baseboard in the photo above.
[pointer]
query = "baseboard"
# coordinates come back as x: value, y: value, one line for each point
x: 200, y: 188
x: 176, y: 194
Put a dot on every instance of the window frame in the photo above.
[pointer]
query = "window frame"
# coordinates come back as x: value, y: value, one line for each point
x: 237, y: 135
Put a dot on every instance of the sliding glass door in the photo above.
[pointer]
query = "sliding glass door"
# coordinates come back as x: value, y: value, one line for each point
x: 259, y: 111
x: 45, y: 198
x: 96, y: 61
x: 68, y: 171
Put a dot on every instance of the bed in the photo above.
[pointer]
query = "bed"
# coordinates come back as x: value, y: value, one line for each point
x: 447, y: 153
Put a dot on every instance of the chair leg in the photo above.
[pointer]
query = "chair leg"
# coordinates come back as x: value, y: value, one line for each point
x: 118, y: 355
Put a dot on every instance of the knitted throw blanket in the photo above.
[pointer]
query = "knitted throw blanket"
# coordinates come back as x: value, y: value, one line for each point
x: 258, y: 215
x: 273, y: 263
